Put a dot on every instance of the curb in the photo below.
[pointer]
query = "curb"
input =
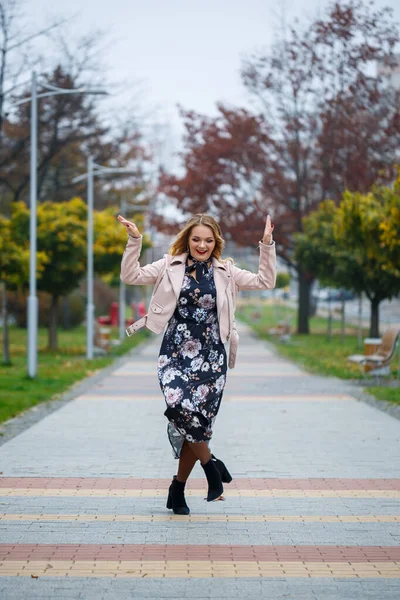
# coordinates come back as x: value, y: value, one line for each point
x: 390, y: 408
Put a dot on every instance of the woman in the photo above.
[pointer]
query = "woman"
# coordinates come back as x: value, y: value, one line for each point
x: 194, y: 296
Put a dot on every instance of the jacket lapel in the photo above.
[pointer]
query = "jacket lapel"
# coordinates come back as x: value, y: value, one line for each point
x: 221, y: 279
x: 176, y: 272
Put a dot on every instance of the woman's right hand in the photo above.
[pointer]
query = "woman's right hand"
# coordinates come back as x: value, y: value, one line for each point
x: 130, y: 227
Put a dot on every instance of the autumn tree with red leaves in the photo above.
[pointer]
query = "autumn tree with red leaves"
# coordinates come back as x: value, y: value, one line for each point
x: 224, y: 160
x: 326, y: 123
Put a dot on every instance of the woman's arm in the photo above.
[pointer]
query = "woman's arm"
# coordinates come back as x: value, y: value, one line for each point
x: 265, y: 278
x: 131, y: 271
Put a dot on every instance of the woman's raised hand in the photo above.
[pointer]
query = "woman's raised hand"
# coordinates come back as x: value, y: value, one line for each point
x: 130, y: 227
x: 267, y: 237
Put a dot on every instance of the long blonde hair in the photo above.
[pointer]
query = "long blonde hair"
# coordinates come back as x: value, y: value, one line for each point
x: 181, y: 243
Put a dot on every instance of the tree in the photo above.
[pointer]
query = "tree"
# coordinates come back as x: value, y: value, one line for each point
x: 62, y: 248
x: 14, y: 263
x: 316, y: 249
x: 318, y: 109
x: 358, y: 228
x: 348, y: 246
x: 224, y: 160
x: 16, y: 56
x: 69, y: 128
x: 19, y: 54
x: 334, y: 125
x: 110, y: 242
x: 390, y: 226
x: 61, y: 234
x: 282, y: 279
x: 67, y: 124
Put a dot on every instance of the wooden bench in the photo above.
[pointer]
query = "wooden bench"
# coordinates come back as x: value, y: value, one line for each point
x: 282, y: 329
x: 379, y: 362
x: 102, y: 339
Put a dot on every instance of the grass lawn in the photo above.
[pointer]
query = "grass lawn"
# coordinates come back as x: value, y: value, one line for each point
x: 57, y: 371
x: 315, y: 352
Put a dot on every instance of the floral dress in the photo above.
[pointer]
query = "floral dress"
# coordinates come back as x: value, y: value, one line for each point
x: 192, y: 363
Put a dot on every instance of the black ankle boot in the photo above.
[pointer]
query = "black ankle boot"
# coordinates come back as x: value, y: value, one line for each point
x: 215, y: 487
x: 226, y: 477
x: 176, y: 497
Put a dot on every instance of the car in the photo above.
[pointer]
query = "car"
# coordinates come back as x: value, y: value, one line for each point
x: 333, y: 295
x: 346, y: 294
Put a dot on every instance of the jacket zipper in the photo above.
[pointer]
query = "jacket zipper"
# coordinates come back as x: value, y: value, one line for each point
x: 229, y: 310
x: 170, y: 280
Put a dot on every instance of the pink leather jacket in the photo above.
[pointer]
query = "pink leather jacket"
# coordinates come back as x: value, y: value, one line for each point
x: 167, y: 276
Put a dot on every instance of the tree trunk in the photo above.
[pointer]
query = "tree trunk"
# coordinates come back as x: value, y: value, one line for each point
x: 66, y: 322
x: 53, y: 321
x: 374, y: 323
x: 5, y: 337
x: 304, y: 304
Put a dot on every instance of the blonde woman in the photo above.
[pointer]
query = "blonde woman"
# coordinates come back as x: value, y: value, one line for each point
x: 194, y: 300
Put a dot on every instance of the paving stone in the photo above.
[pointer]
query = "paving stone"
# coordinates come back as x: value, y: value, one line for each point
x: 275, y: 422
x: 276, y: 589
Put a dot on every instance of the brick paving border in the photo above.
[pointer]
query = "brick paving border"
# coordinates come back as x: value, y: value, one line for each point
x: 239, y: 483
x: 10, y: 552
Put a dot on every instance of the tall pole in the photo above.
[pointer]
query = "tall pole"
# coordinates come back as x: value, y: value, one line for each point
x: 121, y: 311
x: 92, y: 170
x: 32, y: 312
x: 32, y: 299
x: 90, y: 304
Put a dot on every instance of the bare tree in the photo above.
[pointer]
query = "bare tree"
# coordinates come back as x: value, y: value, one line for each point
x: 17, y: 57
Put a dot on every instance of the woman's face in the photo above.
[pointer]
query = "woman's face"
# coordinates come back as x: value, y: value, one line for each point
x: 201, y: 242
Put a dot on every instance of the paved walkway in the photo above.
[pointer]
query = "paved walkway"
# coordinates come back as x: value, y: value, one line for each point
x: 312, y: 513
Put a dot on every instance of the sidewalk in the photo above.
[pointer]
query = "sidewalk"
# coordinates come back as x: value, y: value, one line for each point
x: 313, y: 511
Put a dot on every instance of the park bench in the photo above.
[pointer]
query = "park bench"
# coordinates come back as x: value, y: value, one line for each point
x: 282, y: 329
x: 379, y: 362
x: 102, y: 339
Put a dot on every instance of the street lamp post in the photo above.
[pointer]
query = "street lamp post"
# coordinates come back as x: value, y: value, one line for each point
x: 32, y: 315
x: 90, y: 303
x: 93, y: 169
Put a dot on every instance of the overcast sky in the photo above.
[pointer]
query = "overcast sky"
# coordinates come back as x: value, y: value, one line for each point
x: 183, y: 51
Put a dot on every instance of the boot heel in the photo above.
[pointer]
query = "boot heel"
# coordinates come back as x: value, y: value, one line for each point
x: 215, y: 487
x: 226, y: 476
x: 169, y: 500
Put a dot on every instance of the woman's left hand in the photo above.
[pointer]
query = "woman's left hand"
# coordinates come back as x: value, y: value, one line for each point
x: 267, y: 237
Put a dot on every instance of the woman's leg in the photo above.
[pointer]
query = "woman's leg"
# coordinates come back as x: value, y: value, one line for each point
x: 187, y: 460
x: 215, y: 487
x: 201, y: 450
